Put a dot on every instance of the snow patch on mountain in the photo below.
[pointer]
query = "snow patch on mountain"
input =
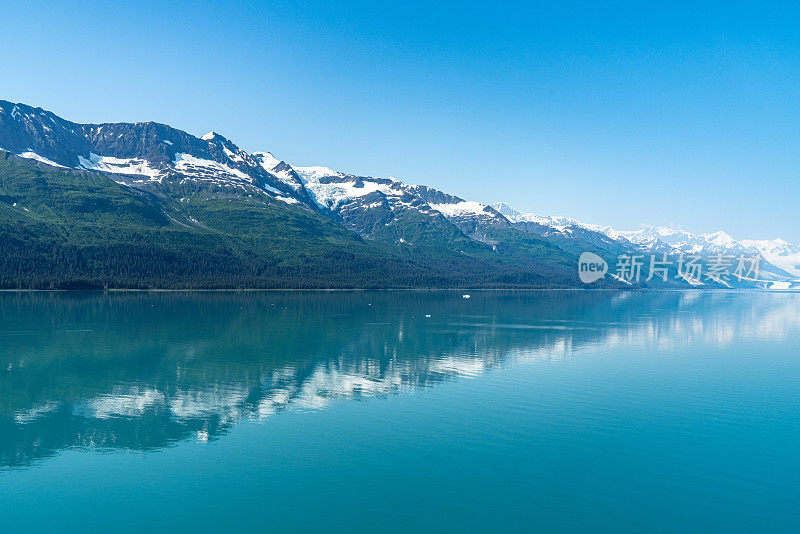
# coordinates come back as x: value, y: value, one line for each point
x: 119, y: 166
x: 562, y: 224
x: 37, y: 157
x: 460, y: 209
x: 233, y: 156
x: 316, y: 173
x: 333, y: 194
x: 281, y: 170
x: 207, y: 169
x: 266, y: 160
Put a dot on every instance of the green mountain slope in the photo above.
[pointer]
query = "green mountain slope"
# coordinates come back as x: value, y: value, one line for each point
x: 64, y: 228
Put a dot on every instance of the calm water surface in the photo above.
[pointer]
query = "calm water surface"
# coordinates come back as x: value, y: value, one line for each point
x: 345, y: 412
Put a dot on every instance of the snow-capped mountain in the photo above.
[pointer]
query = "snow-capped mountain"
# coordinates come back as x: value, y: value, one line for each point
x: 569, y: 234
x: 376, y: 208
x: 778, y: 252
x: 201, y: 207
x: 209, y: 185
x: 654, y: 237
x: 782, y: 259
x: 137, y: 153
x: 562, y: 224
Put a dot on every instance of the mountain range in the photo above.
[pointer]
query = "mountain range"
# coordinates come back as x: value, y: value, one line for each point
x: 780, y: 260
x: 145, y: 205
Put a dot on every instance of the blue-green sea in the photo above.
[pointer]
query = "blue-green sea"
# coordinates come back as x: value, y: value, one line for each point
x: 400, y: 412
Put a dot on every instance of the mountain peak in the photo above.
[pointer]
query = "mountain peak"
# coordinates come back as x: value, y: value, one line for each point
x: 267, y: 160
x: 720, y: 238
x: 506, y: 210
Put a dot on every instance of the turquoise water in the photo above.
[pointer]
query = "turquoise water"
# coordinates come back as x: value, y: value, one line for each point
x: 344, y: 412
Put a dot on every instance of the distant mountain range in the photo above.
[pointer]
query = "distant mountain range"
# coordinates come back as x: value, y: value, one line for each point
x: 780, y: 260
x: 144, y: 205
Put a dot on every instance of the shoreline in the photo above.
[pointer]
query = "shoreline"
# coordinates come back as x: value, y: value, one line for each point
x: 400, y: 289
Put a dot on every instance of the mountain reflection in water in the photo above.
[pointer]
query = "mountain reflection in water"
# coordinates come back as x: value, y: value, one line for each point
x: 141, y: 371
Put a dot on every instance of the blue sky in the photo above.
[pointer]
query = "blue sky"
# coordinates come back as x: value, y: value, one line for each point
x: 613, y: 113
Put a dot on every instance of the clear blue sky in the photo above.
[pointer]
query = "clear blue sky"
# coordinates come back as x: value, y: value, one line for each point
x: 609, y: 112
